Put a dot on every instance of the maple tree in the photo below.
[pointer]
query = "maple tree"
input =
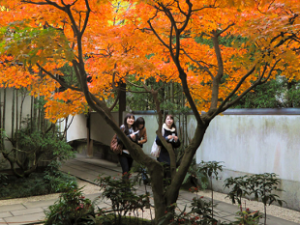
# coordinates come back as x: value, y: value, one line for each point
x: 102, y: 42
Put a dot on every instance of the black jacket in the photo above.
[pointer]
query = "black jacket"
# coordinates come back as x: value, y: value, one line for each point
x: 164, y: 155
x: 130, y: 131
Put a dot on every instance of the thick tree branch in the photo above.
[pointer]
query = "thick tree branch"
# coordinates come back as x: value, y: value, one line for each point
x: 220, y: 108
x: 259, y: 81
x: 218, y: 77
x: 62, y: 83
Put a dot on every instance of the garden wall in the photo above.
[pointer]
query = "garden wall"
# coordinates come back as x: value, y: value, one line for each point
x: 248, y: 141
x: 256, y: 141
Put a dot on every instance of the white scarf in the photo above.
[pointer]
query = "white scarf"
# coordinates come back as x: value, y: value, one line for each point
x: 168, y: 129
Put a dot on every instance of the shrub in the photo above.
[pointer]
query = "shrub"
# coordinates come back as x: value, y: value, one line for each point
x: 30, y: 147
x: 3, y: 184
x: 71, y: 208
x: 122, y: 197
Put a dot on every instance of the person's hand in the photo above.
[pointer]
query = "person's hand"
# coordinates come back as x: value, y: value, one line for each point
x: 132, y: 136
x: 169, y: 137
x: 175, y: 138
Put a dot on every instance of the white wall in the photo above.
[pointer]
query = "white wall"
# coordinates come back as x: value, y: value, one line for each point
x: 100, y: 131
x: 247, y: 144
x: 254, y: 144
x: 77, y: 129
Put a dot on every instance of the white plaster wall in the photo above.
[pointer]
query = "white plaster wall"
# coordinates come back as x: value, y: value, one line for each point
x: 247, y: 144
x: 100, y: 130
x: 254, y: 144
x: 77, y: 129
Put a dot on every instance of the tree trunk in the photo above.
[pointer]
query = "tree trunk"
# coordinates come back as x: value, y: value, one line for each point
x: 163, y: 199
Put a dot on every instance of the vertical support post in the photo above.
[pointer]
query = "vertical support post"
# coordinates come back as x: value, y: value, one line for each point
x: 89, y: 144
x: 122, y: 102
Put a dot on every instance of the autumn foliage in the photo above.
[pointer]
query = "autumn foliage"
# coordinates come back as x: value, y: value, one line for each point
x: 218, y: 50
x: 215, y: 42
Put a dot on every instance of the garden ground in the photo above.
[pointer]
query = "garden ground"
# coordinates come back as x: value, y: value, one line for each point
x: 31, y: 210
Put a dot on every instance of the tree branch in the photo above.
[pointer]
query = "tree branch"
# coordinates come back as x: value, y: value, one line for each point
x: 58, y: 80
x: 115, y: 102
x: 226, y: 29
x: 159, y: 38
x: 197, y: 62
x: 220, y: 108
x: 86, y: 17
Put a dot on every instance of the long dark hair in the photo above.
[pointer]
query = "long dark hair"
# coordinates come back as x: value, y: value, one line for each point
x: 138, y: 122
x: 172, y: 117
x: 129, y: 115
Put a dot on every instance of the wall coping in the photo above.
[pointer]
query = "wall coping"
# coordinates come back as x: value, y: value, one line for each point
x: 266, y: 111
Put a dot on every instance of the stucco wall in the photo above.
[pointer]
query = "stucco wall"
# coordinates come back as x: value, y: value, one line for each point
x: 100, y: 131
x: 257, y: 141
x: 253, y: 144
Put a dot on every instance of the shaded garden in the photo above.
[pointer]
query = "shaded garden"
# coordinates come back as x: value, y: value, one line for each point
x: 84, y: 55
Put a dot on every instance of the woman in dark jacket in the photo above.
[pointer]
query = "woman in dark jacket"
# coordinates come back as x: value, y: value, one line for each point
x: 170, y: 134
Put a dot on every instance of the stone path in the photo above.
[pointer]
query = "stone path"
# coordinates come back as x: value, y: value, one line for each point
x: 89, y: 169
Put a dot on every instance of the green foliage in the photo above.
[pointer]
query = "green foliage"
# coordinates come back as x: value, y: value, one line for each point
x: 122, y: 197
x: 71, y: 208
x: 239, y: 188
x: 195, y: 177
x: 109, y: 219
x: 55, y: 179
x: 30, y: 147
x: 22, y: 36
x: 261, y: 186
x: 35, y: 184
x: 3, y: 184
x: 170, y: 96
x: 211, y: 168
x: 201, y: 213
x: 35, y: 142
x: 277, y: 93
x: 246, y: 217
x: 142, y: 175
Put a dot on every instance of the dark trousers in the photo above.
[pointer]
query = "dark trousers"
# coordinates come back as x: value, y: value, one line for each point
x: 126, y: 164
x: 167, y: 175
